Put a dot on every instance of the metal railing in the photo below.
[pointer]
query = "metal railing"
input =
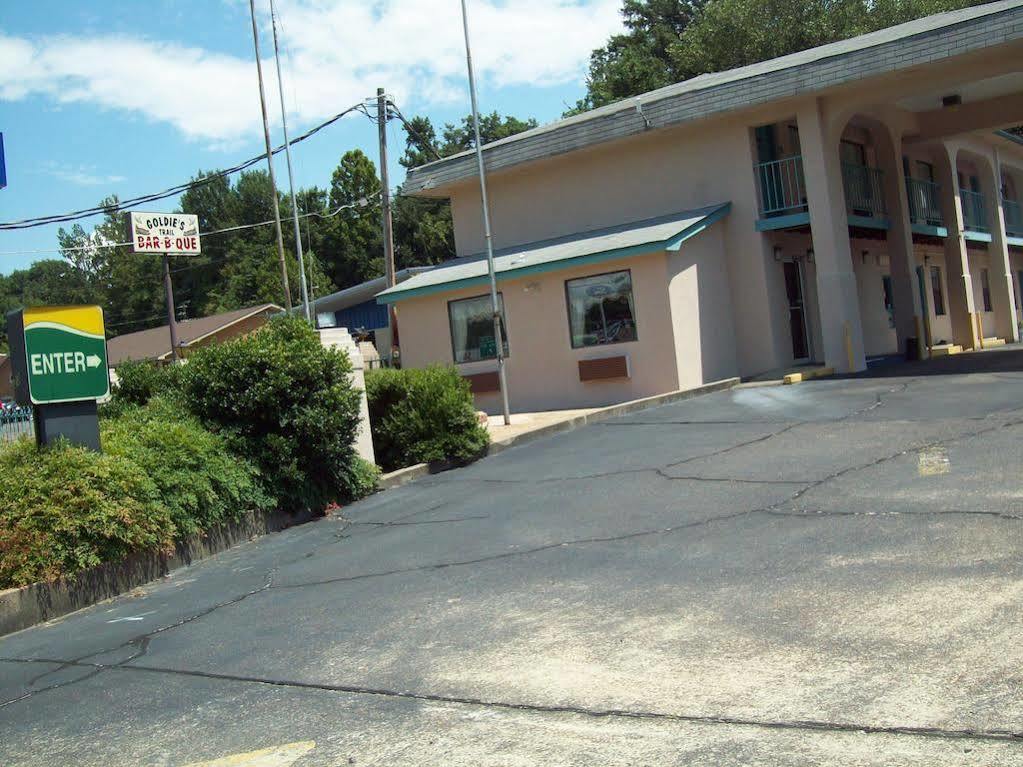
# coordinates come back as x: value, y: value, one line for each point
x: 781, y: 185
x: 974, y: 210
x: 864, y: 190
x: 15, y: 422
x: 924, y: 202
x: 1013, y: 218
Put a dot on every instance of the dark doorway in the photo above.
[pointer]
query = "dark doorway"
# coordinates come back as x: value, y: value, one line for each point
x: 797, y: 312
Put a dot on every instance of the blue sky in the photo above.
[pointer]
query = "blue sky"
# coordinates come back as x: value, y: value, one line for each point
x: 128, y: 97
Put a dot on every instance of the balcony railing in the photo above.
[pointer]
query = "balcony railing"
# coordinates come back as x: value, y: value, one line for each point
x: 864, y: 191
x: 781, y: 185
x: 1013, y: 218
x: 924, y: 202
x: 974, y: 211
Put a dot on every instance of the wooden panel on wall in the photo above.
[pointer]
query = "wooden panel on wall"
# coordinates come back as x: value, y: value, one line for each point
x: 481, y: 383
x: 604, y: 368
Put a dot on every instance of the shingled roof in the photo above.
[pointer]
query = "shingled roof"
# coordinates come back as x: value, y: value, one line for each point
x: 154, y: 343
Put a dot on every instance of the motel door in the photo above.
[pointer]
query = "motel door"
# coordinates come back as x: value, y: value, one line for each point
x: 797, y: 310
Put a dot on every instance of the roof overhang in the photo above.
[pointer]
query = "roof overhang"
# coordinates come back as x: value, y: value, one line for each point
x: 895, y: 49
x: 665, y: 233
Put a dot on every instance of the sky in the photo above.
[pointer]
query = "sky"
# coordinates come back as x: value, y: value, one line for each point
x: 129, y: 97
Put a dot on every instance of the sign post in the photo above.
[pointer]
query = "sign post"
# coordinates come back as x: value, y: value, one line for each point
x: 166, y: 234
x: 59, y: 367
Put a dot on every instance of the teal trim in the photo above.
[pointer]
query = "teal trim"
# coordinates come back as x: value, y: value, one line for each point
x: 1017, y: 241
x: 976, y: 236
x: 671, y: 244
x: 869, y: 222
x: 782, y: 222
x: 933, y: 231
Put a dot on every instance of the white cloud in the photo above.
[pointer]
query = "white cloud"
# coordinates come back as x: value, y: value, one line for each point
x: 80, y: 175
x: 340, y: 51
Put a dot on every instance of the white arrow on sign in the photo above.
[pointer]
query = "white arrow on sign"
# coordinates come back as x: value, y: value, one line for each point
x: 93, y: 360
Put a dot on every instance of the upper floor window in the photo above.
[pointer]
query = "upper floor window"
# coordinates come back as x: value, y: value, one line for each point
x: 601, y: 309
x: 472, y: 328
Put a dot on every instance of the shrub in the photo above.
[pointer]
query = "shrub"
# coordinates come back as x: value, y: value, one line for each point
x: 421, y: 415
x: 66, y: 508
x: 200, y: 481
x: 286, y: 402
x: 140, y: 381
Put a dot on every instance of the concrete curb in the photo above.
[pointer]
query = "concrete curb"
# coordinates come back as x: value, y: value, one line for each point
x: 400, y: 477
x: 29, y: 605
x: 612, y: 411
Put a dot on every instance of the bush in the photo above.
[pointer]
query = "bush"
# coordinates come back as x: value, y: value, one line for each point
x: 66, y: 508
x: 422, y: 415
x: 200, y: 481
x: 140, y: 381
x: 287, y: 403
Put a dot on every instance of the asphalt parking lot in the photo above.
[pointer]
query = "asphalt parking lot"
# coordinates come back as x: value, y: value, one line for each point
x: 829, y: 573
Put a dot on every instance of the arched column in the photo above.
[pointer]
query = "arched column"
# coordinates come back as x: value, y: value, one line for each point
x: 907, y: 308
x: 841, y: 331
x: 1003, y: 297
x: 960, y: 284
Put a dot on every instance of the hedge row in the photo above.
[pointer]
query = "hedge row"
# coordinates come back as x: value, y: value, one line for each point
x: 265, y: 421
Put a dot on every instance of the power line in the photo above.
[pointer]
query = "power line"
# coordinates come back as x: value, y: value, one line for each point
x: 423, y: 143
x: 360, y: 203
x: 29, y: 223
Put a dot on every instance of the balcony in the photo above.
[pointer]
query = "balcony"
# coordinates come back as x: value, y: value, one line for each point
x: 925, y: 207
x: 782, y: 193
x: 1013, y: 220
x: 974, y: 216
x: 864, y: 196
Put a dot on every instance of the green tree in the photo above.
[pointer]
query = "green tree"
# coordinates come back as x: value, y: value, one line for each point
x: 353, y: 243
x: 493, y: 127
x: 667, y: 41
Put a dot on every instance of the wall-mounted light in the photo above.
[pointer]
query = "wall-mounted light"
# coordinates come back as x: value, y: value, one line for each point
x: 778, y: 254
x: 809, y: 255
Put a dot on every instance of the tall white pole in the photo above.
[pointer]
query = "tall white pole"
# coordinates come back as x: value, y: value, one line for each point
x: 495, y: 307
x: 270, y: 162
x: 291, y: 177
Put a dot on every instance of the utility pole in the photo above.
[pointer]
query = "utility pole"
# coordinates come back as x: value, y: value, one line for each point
x: 270, y: 162
x: 495, y: 307
x: 291, y: 178
x: 385, y: 208
x: 172, y: 320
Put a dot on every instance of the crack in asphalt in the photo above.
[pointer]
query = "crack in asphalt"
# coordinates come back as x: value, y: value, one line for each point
x: 817, y: 725
x: 397, y: 523
x: 816, y: 513
x: 140, y: 642
x: 774, y: 507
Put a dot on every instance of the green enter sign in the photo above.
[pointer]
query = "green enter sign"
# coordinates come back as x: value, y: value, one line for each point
x: 65, y: 354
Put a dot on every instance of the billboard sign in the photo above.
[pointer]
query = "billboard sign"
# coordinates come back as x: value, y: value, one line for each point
x: 175, y: 233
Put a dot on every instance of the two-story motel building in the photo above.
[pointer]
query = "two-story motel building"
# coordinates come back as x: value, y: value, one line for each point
x: 857, y: 199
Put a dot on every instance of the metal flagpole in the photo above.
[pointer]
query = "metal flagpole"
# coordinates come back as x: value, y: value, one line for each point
x: 495, y: 308
x: 270, y: 163
x: 291, y: 178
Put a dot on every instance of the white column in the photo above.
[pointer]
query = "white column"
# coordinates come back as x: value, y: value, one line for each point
x: 341, y: 339
x: 841, y: 331
x: 961, y: 306
x: 1003, y: 297
x: 908, y: 311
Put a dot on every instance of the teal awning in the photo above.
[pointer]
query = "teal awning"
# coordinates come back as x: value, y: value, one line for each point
x: 634, y: 239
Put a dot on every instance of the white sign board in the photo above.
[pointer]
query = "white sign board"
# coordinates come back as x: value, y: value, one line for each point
x: 165, y: 233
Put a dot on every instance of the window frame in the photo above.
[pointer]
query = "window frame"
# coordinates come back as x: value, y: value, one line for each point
x: 937, y: 292
x: 568, y: 310
x: 504, y: 328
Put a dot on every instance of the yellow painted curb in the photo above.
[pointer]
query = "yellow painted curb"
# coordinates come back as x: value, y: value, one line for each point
x: 946, y: 351
x: 806, y: 375
x: 991, y: 342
